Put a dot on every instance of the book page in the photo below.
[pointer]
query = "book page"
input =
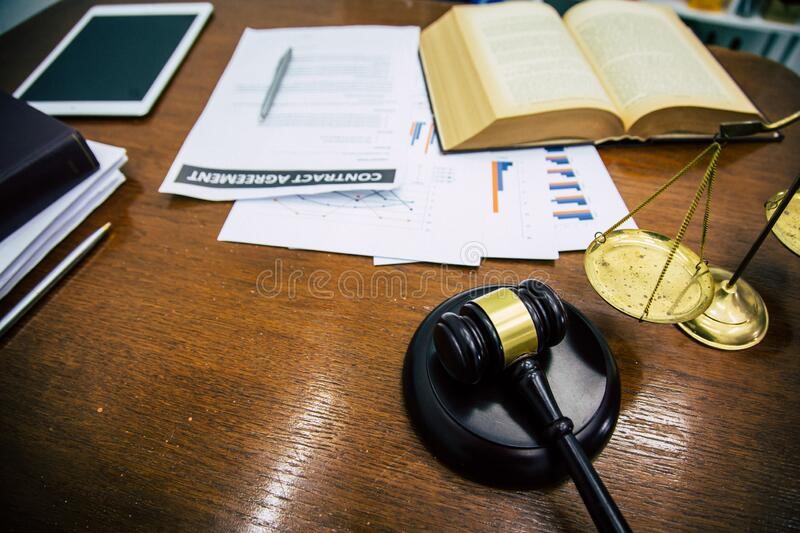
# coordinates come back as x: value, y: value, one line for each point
x: 528, y: 60
x: 648, y: 59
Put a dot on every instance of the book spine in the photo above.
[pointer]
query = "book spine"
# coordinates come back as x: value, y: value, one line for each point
x: 69, y: 155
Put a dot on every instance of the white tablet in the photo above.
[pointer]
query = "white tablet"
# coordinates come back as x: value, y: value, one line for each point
x: 116, y: 60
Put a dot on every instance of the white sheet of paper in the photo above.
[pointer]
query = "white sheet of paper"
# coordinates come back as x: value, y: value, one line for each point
x: 338, y: 122
x: 23, y: 249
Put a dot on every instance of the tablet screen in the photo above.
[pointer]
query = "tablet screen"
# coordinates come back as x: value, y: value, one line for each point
x: 113, y: 58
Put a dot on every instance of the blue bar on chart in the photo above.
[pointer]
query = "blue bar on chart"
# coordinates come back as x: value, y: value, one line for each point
x: 567, y: 172
x: 564, y: 185
x: 577, y: 199
x: 498, y: 167
x: 579, y: 214
x: 557, y: 159
x: 416, y: 128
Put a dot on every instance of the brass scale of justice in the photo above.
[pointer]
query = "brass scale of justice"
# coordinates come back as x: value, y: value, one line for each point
x: 653, y: 278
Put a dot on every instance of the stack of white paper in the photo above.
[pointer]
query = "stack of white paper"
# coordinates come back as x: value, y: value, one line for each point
x: 23, y: 249
x: 457, y: 209
x: 451, y: 208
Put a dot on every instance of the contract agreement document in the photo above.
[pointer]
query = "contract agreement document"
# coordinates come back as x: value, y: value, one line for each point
x: 339, y: 121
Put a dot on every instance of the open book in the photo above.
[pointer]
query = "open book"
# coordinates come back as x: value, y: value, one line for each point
x: 517, y: 74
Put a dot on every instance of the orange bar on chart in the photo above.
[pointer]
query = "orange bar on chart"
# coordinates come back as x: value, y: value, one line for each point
x: 495, y: 185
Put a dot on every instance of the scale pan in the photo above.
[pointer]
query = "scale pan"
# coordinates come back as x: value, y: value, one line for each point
x: 787, y: 228
x: 625, y: 267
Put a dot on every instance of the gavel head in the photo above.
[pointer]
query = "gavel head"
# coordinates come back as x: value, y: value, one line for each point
x: 494, y: 330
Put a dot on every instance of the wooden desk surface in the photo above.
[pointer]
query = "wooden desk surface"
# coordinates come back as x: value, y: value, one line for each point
x: 160, y: 385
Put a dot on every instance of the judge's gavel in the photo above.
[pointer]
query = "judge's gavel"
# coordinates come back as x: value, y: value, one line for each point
x: 506, y: 328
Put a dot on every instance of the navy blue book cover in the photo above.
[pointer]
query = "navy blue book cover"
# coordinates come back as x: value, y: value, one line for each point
x: 41, y: 158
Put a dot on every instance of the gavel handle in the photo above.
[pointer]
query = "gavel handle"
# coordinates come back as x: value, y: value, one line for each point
x: 532, y: 384
x: 601, y: 506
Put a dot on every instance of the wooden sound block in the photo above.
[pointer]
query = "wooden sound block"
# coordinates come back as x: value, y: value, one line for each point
x: 482, y: 431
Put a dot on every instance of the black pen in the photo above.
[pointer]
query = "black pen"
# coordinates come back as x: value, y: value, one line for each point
x: 280, y: 72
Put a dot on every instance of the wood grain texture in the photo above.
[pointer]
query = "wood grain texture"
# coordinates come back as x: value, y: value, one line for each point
x: 176, y: 382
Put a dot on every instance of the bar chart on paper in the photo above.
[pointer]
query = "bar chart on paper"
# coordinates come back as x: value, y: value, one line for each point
x: 569, y: 201
x: 583, y: 198
x: 511, y: 205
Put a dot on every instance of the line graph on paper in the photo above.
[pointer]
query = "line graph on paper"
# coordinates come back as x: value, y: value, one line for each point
x: 375, y: 201
x: 403, y: 208
x: 356, y: 206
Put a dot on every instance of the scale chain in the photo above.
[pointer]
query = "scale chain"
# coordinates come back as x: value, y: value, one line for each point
x: 667, y: 185
x: 706, y: 182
